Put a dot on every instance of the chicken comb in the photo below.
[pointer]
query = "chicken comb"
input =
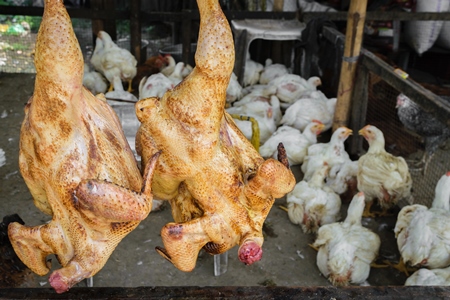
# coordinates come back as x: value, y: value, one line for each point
x: 448, y: 173
x: 316, y: 121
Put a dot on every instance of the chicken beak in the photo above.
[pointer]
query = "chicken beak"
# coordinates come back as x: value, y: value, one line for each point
x: 320, y: 127
x: 349, y: 132
x: 362, y: 131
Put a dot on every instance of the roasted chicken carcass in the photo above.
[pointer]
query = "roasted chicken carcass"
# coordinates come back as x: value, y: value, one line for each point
x: 76, y: 161
x: 219, y: 187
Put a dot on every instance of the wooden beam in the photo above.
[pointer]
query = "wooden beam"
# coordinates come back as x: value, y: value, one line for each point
x: 429, y: 101
x: 235, y: 292
x: 78, y: 13
x: 100, y: 24
x: 378, y: 16
x: 360, y: 100
x: 84, y: 13
x: 353, y: 41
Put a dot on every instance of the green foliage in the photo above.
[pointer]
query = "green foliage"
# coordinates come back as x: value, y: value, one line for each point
x: 16, y: 21
x: 18, y: 46
x: 123, y: 28
x: 82, y: 23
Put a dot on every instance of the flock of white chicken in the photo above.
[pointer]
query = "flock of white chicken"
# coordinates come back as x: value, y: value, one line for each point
x: 290, y: 110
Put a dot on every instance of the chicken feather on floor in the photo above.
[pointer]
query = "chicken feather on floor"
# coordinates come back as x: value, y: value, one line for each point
x: 347, y: 249
x: 77, y: 164
x: 220, y: 189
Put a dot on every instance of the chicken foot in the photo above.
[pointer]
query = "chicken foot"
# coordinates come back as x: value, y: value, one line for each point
x: 401, y: 266
x: 181, y: 240
x: 33, y: 244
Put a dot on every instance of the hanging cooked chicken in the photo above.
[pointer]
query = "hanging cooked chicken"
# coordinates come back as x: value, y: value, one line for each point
x: 77, y: 164
x: 219, y: 187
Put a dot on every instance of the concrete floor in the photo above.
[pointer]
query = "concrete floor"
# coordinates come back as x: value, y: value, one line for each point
x: 287, y: 258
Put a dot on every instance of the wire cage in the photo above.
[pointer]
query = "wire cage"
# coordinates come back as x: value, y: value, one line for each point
x: 374, y: 101
x: 382, y: 113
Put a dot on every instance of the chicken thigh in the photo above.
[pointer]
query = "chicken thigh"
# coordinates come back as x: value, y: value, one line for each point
x: 77, y: 164
x: 219, y: 187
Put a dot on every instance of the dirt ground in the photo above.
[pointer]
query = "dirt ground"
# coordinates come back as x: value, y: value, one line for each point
x: 287, y: 258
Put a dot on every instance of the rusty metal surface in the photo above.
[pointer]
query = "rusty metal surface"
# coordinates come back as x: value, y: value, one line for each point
x: 392, y: 292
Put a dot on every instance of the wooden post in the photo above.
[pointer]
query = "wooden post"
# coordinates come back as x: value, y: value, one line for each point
x: 278, y: 5
x: 186, y: 25
x: 105, y: 25
x: 353, y: 40
x: 135, y: 31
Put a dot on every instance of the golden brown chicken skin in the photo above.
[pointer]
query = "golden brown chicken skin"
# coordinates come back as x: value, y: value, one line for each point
x: 76, y: 163
x: 219, y: 187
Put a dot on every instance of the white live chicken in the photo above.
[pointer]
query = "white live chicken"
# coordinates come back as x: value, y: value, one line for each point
x: 176, y: 77
x: 272, y: 71
x: 154, y: 86
x: 264, y: 95
x: 295, y: 142
x: 252, y: 72
x: 382, y: 175
x: 314, y: 107
x: 263, y: 112
x: 423, y: 235
x: 234, y: 89
x: 344, y: 178
x: 333, y: 153
x: 111, y: 60
x: 435, y: 277
x: 271, y: 90
x: 94, y: 81
x: 170, y: 67
x: 291, y: 87
x: 347, y: 249
x: 312, y: 204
